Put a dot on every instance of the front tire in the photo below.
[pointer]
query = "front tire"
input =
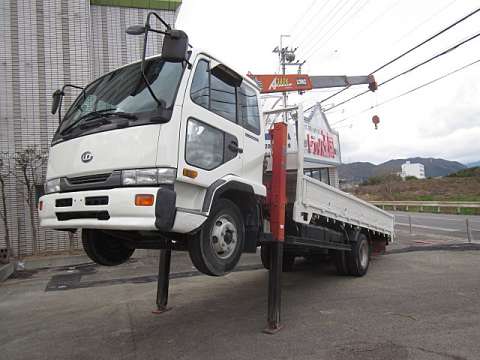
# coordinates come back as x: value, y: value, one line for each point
x: 105, y: 249
x: 217, y: 248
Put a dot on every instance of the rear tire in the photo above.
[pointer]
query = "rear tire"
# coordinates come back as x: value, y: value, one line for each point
x: 217, y: 248
x: 105, y: 249
x: 288, y: 260
x: 359, y: 258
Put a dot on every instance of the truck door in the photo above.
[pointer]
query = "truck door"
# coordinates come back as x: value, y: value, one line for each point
x: 211, y: 140
x: 254, y: 143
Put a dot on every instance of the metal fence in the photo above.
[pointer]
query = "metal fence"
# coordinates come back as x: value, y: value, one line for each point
x: 421, y: 205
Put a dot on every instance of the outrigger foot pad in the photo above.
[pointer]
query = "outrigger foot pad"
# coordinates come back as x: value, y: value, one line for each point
x: 161, y: 310
x: 272, y: 330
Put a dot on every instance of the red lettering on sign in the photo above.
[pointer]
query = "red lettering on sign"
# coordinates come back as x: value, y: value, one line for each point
x: 323, y: 146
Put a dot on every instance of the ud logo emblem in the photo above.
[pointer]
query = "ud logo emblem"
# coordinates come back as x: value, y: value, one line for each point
x: 87, y: 156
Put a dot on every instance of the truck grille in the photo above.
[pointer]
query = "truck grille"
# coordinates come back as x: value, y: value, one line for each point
x: 96, y: 178
x: 72, y: 215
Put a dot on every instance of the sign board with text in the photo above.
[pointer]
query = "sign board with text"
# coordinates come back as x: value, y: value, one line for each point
x: 282, y: 83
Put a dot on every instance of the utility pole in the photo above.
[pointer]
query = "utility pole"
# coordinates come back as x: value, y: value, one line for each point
x: 286, y: 57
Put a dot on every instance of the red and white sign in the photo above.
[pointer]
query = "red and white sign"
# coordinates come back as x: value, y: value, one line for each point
x: 321, y: 143
x: 282, y: 83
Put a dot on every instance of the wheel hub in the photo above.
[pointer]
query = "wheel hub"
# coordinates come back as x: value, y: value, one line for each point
x: 363, y: 254
x: 223, y: 237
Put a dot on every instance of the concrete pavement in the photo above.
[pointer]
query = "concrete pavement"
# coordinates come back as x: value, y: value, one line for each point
x: 418, y: 305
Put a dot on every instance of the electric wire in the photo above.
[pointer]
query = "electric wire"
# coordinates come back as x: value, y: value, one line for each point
x: 426, y: 41
x: 424, y: 22
x: 310, y: 19
x: 303, y: 15
x: 409, y: 91
x: 436, y: 56
x: 347, y: 16
x: 404, y: 54
x: 379, y: 15
x: 339, y: 7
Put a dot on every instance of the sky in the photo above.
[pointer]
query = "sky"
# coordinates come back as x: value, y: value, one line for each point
x: 354, y: 37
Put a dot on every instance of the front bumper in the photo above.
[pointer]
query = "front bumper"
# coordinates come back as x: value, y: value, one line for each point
x: 118, y: 213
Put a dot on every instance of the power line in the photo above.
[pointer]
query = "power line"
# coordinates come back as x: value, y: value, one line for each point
x: 426, y: 41
x: 409, y: 91
x: 436, y: 56
x: 309, y: 21
x: 346, y: 17
x: 379, y: 15
x: 431, y: 59
x: 402, y: 55
x: 332, y: 16
x: 320, y: 38
x: 302, y: 16
x: 424, y: 21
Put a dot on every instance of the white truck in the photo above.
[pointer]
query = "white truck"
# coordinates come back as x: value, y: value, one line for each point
x: 169, y: 153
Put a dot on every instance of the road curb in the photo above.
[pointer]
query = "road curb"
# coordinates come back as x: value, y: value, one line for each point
x: 436, y: 247
x: 5, y: 271
x: 53, y: 261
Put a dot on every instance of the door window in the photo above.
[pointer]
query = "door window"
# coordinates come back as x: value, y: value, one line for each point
x: 200, y: 90
x: 204, y: 146
x: 223, y: 98
x: 249, y: 116
x: 216, y: 93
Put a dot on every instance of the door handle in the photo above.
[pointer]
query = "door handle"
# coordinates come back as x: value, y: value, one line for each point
x: 233, y: 146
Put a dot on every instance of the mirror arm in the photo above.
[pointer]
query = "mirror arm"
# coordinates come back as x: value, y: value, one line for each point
x: 142, y: 66
x: 62, y: 94
x: 60, y: 107
x: 159, y: 18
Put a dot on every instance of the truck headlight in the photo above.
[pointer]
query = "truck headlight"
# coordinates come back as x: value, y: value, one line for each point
x: 149, y: 176
x: 52, y: 186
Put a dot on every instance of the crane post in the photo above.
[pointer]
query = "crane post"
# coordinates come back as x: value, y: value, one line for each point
x: 278, y: 199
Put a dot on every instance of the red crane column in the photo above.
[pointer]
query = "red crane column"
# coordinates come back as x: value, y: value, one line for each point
x: 278, y: 200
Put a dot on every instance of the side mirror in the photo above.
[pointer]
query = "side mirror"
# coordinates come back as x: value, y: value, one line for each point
x: 175, y: 45
x: 57, y: 98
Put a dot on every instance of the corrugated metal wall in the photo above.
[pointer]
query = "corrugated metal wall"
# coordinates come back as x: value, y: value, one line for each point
x: 48, y: 43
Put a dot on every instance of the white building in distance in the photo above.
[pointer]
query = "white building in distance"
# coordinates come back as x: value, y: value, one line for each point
x: 416, y: 169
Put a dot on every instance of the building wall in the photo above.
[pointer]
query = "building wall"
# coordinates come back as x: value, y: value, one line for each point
x: 413, y: 169
x: 46, y: 44
x: 333, y: 177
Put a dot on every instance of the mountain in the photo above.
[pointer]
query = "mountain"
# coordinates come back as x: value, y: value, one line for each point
x: 356, y: 171
x: 359, y: 171
x: 473, y: 164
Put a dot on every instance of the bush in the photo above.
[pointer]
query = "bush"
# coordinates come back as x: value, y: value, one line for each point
x: 475, y: 171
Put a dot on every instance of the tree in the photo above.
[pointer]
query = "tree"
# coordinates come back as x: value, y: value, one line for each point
x: 4, y: 174
x: 29, y: 171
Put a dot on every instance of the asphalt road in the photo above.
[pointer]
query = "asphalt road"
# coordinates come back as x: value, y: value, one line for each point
x: 411, y: 305
x: 444, y: 226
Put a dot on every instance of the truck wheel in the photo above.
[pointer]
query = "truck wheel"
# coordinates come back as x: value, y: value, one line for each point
x: 105, y: 249
x: 218, y: 246
x: 340, y: 260
x: 287, y: 263
x: 359, y: 258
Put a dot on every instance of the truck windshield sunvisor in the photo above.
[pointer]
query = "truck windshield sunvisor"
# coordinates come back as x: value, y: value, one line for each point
x: 123, y: 92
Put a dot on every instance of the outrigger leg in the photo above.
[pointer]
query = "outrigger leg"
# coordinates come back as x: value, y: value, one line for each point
x: 274, y: 288
x: 163, y: 280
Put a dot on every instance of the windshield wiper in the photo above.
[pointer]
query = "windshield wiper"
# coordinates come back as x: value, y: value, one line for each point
x: 102, y: 114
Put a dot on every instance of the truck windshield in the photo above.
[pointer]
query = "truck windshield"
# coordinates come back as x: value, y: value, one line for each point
x: 123, y: 91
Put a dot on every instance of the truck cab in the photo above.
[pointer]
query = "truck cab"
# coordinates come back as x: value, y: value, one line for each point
x: 161, y: 153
